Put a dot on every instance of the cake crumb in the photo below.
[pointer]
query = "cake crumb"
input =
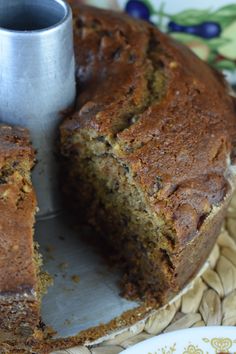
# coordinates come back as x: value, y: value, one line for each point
x: 173, y: 65
x: 26, y: 188
x: 75, y: 278
x: 63, y: 266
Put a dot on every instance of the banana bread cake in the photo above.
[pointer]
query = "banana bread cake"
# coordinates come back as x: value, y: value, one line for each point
x: 19, y: 278
x: 149, y: 152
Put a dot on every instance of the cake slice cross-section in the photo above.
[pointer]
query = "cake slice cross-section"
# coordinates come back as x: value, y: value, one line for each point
x: 19, y: 261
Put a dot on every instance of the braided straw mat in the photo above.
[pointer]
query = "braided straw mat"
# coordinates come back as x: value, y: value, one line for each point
x: 211, y: 299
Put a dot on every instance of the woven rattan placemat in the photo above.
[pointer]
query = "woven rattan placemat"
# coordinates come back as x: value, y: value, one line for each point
x: 210, y: 301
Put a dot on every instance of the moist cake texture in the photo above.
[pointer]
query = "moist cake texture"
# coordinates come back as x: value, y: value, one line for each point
x: 19, y: 283
x: 149, y: 152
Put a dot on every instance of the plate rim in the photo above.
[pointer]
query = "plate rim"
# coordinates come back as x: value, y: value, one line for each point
x: 190, y: 331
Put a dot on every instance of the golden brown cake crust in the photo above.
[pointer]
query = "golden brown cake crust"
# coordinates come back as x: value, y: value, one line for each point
x: 19, y: 304
x: 177, y: 142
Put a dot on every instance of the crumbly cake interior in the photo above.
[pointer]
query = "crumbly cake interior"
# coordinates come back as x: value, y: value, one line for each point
x: 142, y: 238
x: 44, y: 279
x: 22, y: 283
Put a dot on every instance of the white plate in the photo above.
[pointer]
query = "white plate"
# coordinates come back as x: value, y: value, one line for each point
x: 201, y: 340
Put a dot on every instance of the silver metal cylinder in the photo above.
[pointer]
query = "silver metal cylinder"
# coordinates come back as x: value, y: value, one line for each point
x: 37, y: 81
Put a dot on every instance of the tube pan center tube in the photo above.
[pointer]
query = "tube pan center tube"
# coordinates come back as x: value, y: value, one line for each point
x: 37, y: 70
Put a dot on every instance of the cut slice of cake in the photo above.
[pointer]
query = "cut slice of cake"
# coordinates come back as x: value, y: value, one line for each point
x: 148, y: 155
x: 19, y: 262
